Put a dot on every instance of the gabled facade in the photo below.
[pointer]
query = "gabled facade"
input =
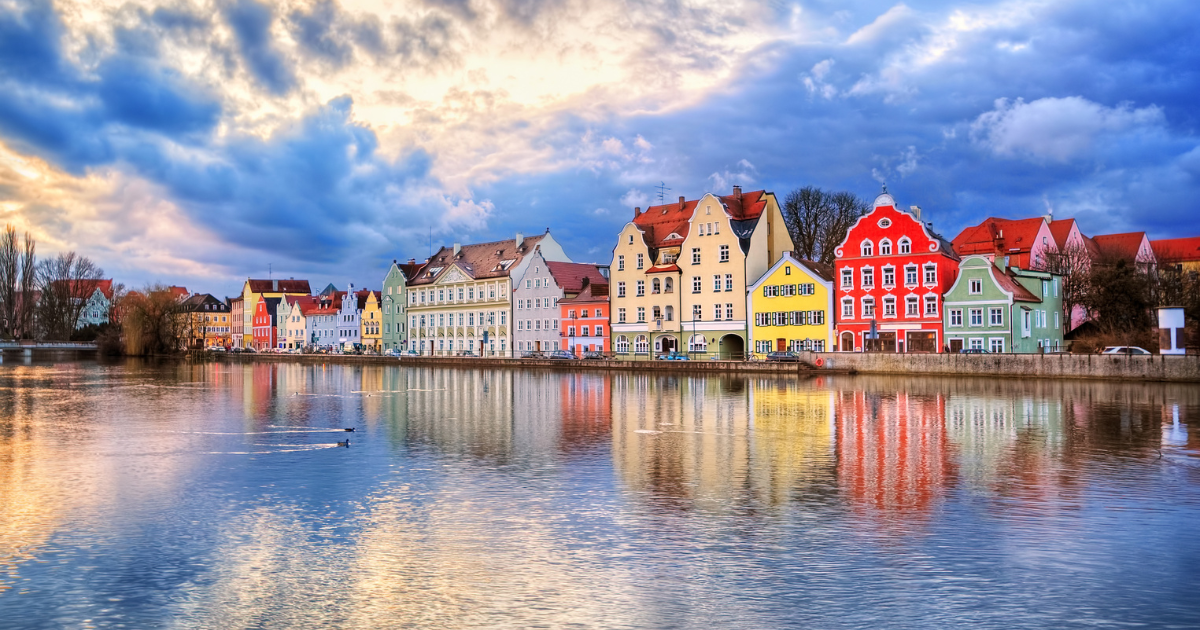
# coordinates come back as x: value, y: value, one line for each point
x: 320, y: 315
x: 392, y: 303
x: 349, y: 323
x: 208, y: 321
x: 1131, y: 246
x: 97, y: 309
x: 680, y: 271
x: 891, y: 272
x: 254, y: 290
x: 237, y: 328
x: 536, y: 314
x: 370, y: 320
x: 791, y: 307
x: 460, y: 300
x: 1023, y: 243
x: 1003, y: 309
x: 265, y: 324
x: 290, y: 322
x: 585, y: 320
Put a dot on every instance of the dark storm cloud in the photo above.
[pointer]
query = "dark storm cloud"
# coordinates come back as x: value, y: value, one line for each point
x: 251, y: 23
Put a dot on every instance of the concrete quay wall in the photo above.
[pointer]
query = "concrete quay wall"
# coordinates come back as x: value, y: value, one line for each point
x: 1185, y: 368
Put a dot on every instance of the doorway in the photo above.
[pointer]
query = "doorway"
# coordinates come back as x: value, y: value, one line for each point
x: 847, y: 344
x: 668, y: 344
x: 922, y: 341
x: 732, y: 347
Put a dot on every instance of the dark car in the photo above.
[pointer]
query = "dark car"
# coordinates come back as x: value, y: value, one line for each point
x: 533, y: 355
x: 599, y: 356
x: 783, y: 357
x: 973, y: 351
x: 560, y: 354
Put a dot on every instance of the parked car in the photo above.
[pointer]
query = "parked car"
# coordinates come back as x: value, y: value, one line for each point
x: 674, y: 356
x: 534, y: 354
x: 786, y: 356
x: 412, y: 353
x: 560, y: 354
x: 1127, y: 350
x: 465, y: 353
x: 595, y: 355
x: 973, y: 351
x: 216, y: 348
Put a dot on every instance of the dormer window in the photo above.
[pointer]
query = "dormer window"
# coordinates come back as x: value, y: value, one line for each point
x: 868, y: 248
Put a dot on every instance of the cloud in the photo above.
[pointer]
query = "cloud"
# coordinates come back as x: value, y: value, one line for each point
x: 251, y: 23
x: 1057, y: 129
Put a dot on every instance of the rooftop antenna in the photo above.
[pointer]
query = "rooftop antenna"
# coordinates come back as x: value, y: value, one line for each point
x: 269, y: 272
x: 662, y: 192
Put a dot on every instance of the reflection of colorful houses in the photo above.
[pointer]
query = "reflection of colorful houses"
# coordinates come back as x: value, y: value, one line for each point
x: 793, y: 443
x: 586, y: 410
x: 892, y: 450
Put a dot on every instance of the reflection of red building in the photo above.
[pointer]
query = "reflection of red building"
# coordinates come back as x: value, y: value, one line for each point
x: 586, y: 410
x: 892, y: 450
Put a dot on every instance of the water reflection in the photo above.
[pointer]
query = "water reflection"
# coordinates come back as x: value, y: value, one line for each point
x: 208, y: 495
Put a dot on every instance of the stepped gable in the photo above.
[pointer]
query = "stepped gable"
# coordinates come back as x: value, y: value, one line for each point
x: 279, y: 286
x: 1124, y: 245
x: 571, y: 276
x: 998, y: 236
x: 478, y: 261
x: 1177, y: 250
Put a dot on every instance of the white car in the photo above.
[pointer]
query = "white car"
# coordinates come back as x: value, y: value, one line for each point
x: 1125, y: 350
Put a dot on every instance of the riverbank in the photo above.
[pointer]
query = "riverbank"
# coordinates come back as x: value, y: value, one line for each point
x: 1180, y: 369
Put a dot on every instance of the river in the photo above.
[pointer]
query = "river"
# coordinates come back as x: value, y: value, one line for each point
x: 215, y: 495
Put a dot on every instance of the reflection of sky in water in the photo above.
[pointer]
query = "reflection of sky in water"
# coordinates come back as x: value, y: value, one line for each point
x: 215, y: 496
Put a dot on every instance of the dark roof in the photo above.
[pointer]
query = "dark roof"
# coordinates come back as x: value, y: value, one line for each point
x: 278, y: 286
x: 362, y: 296
x: 478, y: 261
x: 197, y: 302
x: 590, y: 293
x: 570, y: 276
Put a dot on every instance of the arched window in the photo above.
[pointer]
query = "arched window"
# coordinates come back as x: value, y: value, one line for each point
x: 655, y: 286
x: 885, y: 247
x: 868, y: 249
x: 905, y: 246
x: 669, y: 286
x: 641, y: 345
x: 656, y: 313
x: 622, y: 344
x: 670, y: 310
x: 698, y: 343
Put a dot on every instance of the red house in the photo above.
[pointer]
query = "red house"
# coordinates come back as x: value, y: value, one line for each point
x: 891, y: 273
x: 264, y: 324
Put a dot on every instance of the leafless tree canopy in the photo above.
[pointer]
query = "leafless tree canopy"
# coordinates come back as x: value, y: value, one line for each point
x: 818, y: 221
x: 18, y: 280
x: 1074, y: 264
x: 153, y: 322
x: 66, y: 281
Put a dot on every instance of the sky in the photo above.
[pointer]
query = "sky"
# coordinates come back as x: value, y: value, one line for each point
x: 200, y: 142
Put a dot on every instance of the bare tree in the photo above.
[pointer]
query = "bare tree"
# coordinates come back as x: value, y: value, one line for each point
x: 153, y: 322
x: 1074, y: 264
x: 818, y: 221
x: 66, y: 283
x: 18, y: 279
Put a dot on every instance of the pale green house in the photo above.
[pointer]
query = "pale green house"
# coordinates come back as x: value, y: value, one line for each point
x: 391, y: 306
x: 1003, y: 309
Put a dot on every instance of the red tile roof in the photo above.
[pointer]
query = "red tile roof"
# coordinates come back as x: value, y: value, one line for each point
x: 478, y: 260
x: 1120, y: 245
x: 998, y: 236
x: 1006, y: 282
x: 279, y: 286
x: 660, y: 222
x: 570, y: 276
x: 663, y: 268
x: 105, y: 286
x: 1176, y: 250
x: 591, y: 293
x: 1060, y: 230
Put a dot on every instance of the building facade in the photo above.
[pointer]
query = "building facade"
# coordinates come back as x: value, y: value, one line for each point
x: 265, y: 324
x: 891, y: 272
x: 98, y: 308
x: 791, y: 307
x: 536, y: 313
x: 585, y: 320
x: 254, y: 290
x: 237, y: 322
x: 993, y: 308
x: 392, y: 303
x: 349, y: 322
x: 209, y: 322
x: 370, y: 320
x: 1021, y: 243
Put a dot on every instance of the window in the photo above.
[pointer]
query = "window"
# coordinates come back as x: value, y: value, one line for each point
x: 847, y: 278
x: 586, y: 332
x: 620, y: 289
x: 728, y: 282
x: 867, y: 248
x: 670, y: 313
x: 1056, y: 319
x: 698, y: 343
x: 1025, y: 323
x: 889, y: 306
x: 1055, y: 290
x: 868, y: 307
x: 885, y: 247
x: 641, y: 345
x: 641, y: 258
x: 995, y: 317
x: 910, y: 275
x: 656, y: 313
x: 911, y: 306
x: 975, y: 287
x: 996, y: 344
x: 931, y: 306
x: 695, y: 255
x: 621, y: 263
x: 696, y: 284
x: 728, y: 311
x: 621, y: 316
x: 956, y: 317
x: 641, y: 313
x: 600, y: 330
x: 868, y: 277
x: 571, y: 313
x: 668, y: 285
x: 631, y: 239
x: 1045, y: 288
x: 976, y: 317
x: 697, y: 313
x: 905, y: 246
x: 641, y: 288
x: 717, y: 312
x: 889, y: 277
x: 724, y: 253
x: 529, y: 284
x: 717, y: 283
x: 977, y: 343
x: 848, y: 308
x: 655, y: 286
x: 787, y: 270
x: 930, y: 274
x: 622, y: 344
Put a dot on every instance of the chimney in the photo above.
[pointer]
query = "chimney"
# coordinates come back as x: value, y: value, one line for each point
x: 737, y: 192
x: 520, y: 239
x: 458, y: 248
x: 275, y: 286
x: 393, y: 261
x: 916, y: 210
x: 682, y: 203
x: 637, y: 212
x: 412, y: 261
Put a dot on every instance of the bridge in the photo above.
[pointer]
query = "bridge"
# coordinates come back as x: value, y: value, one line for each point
x: 30, y: 349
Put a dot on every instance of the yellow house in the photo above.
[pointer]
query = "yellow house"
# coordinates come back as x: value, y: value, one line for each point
x: 370, y: 320
x: 792, y: 307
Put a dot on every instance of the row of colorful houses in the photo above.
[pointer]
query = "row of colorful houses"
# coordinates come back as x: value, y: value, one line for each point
x: 714, y: 277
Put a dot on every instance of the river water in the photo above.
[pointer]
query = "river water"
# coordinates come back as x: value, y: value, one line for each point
x: 214, y: 495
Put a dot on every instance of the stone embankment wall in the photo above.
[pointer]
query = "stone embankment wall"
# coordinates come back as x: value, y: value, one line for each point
x: 1085, y: 366
x: 1184, y: 369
